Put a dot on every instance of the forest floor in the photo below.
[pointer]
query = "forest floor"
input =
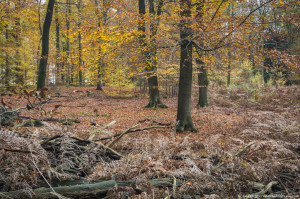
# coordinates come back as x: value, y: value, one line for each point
x: 248, y: 141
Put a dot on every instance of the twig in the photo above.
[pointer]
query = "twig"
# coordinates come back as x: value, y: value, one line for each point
x: 213, y: 17
x: 111, y: 150
x: 240, y: 152
x: 118, y: 138
x: 153, y: 121
x: 50, y: 139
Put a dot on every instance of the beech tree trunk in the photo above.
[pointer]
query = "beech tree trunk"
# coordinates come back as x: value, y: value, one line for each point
x: 80, y: 75
x: 59, y: 76
x: 184, y: 119
x: 45, y: 46
x: 149, y: 51
x: 203, y: 85
x: 202, y: 73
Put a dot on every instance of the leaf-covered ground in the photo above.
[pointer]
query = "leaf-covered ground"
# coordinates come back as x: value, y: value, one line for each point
x: 248, y: 140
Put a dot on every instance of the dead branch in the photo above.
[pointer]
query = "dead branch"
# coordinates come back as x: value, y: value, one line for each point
x: 130, y: 131
x: 16, y: 150
x: 111, y: 150
x: 50, y: 139
x: 153, y: 121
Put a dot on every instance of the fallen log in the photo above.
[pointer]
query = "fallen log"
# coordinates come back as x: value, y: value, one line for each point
x: 95, y: 190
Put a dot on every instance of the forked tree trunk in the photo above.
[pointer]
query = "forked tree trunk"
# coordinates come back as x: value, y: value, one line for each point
x: 184, y: 118
x: 45, y: 46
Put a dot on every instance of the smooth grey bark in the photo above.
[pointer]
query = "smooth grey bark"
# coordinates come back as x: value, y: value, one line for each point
x: 184, y: 119
x: 45, y: 46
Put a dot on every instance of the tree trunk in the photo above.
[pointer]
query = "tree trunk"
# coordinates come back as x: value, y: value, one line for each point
x: 202, y: 73
x: 80, y: 75
x: 265, y: 71
x: 203, y: 85
x: 59, y: 75
x: 184, y: 119
x: 45, y: 46
x: 19, y: 75
x: 149, y: 52
x: 101, y: 22
x: 7, y: 65
x: 68, y: 15
x: 229, y: 68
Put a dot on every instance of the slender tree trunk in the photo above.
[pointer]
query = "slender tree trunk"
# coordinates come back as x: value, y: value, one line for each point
x: 184, y: 120
x: 7, y: 65
x: 265, y: 70
x: 68, y: 15
x: 99, y: 56
x: 59, y: 75
x: 80, y: 75
x: 229, y: 68
x: 45, y: 46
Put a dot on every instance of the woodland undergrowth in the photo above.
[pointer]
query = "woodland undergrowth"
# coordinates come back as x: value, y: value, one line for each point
x: 248, y: 143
